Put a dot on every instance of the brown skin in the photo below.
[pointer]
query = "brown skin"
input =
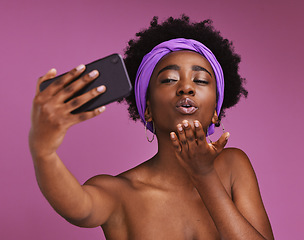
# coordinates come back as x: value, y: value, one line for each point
x: 189, y: 190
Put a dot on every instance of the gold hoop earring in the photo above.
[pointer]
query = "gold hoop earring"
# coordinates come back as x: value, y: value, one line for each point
x: 152, y: 132
x: 220, y: 124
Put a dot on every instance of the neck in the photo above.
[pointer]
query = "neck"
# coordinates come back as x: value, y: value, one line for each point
x: 166, y: 164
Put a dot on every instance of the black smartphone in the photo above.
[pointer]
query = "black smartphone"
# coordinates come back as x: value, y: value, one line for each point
x: 112, y: 74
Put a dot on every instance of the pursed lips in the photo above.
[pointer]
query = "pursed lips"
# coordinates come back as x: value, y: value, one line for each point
x: 186, y: 106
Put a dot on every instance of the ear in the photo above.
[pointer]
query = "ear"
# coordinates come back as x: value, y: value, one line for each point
x: 148, y: 114
x: 215, y: 118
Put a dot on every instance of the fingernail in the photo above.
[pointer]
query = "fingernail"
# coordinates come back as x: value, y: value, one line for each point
x: 185, y: 123
x: 196, y: 124
x: 101, y: 88
x: 101, y: 109
x: 172, y: 135
x: 93, y: 73
x: 179, y: 127
x: 52, y: 71
x: 227, y: 137
x: 80, y: 67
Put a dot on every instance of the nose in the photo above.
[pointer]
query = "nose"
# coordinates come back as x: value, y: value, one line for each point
x: 185, y: 88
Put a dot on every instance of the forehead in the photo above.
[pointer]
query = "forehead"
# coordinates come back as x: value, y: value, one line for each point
x: 184, y: 58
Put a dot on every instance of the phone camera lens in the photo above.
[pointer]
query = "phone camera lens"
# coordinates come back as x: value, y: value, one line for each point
x: 115, y: 60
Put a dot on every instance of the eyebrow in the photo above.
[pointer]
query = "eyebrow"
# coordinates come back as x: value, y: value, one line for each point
x: 169, y: 67
x: 176, y: 68
x: 199, y: 68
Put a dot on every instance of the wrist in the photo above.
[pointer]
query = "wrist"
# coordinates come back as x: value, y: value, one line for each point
x: 203, y: 175
x: 39, y: 149
x: 39, y: 153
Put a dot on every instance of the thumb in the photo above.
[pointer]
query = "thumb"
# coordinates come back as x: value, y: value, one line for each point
x: 50, y: 74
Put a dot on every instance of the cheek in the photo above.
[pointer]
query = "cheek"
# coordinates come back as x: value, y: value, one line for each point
x: 160, y: 103
x: 207, y: 97
x: 207, y: 104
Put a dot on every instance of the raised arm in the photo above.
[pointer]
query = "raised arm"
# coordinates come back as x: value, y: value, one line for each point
x: 241, y: 217
x: 51, y: 118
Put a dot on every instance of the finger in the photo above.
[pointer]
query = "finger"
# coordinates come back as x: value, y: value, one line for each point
x: 182, y: 137
x: 221, y: 142
x: 175, y: 142
x: 49, y: 75
x: 64, y: 80
x: 80, y: 117
x: 199, y: 133
x: 189, y: 136
x: 84, y: 98
x: 77, y: 85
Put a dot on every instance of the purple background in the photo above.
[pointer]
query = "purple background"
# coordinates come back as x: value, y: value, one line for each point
x: 39, y: 35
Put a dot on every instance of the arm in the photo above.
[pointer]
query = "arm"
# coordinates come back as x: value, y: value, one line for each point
x: 51, y: 118
x: 242, y: 217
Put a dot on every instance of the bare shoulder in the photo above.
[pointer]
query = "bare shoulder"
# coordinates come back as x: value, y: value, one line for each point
x: 138, y: 176
x: 107, y: 195
x: 122, y: 181
x: 233, y: 155
x: 111, y: 184
x: 234, y: 159
x: 234, y: 164
x: 104, y: 180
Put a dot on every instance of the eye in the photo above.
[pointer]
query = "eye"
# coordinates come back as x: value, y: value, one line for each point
x: 168, y: 80
x: 201, y: 81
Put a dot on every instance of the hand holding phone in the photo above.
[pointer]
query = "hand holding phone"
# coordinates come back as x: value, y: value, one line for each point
x: 112, y: 74
x: 79, y: 91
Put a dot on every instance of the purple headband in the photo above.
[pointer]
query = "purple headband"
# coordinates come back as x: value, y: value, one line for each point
x: 150, y: 60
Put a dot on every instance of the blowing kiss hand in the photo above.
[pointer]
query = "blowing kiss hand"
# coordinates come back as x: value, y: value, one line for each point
x: 193, y: 152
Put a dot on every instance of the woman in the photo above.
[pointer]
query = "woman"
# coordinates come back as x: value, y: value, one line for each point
x: 190, y: 189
